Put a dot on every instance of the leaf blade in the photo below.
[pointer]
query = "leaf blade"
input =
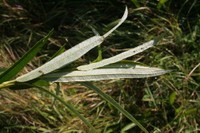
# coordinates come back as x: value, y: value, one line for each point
x: 104, y: 74
x: 118, y: 57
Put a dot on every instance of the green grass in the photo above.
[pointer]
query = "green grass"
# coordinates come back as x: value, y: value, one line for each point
x: 169, y: 103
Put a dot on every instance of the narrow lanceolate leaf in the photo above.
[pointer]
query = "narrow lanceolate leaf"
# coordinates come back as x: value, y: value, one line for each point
x: 70, y: 55
x: 104, y: 74
x: 19, y: 65
x: 118, y: 57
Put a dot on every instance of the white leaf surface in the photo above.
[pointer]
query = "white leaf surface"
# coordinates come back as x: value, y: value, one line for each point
x: 69, y: 55
x: 118, y: 57
x: 104, y: 74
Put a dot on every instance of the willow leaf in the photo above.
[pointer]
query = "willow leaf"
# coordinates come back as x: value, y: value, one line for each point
x: 70, y: 55
x: 104, y: 74
x: 118, y: 57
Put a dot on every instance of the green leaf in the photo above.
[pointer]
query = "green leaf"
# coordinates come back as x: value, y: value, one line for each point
x: 172, y: 98
x: 127, y: 127
x: 191, y: 111
x: 70, y: 55
x: 114, y: 103
x: 2, y: 70
x: 104, y: 74
x: 19, y: 65
x: 99, y: 58
x: 161, y: 3
x: 36, y: 82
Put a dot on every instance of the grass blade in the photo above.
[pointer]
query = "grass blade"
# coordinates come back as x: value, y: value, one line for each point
x: 114, y: 103
x: 70, y: 55
x: 19, y: 65
x: 68, y: 105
